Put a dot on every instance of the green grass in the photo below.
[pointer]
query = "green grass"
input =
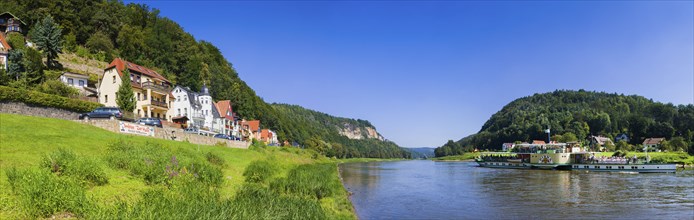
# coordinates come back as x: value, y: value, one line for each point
x: 466, y: 156
x: 51, y: 167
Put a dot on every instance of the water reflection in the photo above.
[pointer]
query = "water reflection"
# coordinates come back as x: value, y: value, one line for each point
x: 455, y: 190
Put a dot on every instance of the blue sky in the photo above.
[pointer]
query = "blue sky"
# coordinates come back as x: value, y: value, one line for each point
x: 425, y: 72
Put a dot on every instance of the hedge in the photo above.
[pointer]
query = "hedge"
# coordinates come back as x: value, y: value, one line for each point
x: 47, y: 100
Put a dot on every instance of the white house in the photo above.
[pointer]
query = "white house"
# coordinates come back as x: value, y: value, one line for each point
x: 199, y: 109
x: 78, y: 81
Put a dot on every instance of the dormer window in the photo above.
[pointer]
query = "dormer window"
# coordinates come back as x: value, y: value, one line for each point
x: 114, y: 79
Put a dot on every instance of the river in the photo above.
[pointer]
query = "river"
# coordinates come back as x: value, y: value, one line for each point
x: 421, y: 189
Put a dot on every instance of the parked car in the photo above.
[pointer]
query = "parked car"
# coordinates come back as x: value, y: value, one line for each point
x: 191, y: 130
x: 149, y: 121
x: 223, y: 136
x: 103, y: 112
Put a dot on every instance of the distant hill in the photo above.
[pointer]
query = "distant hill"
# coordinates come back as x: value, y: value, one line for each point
x: 574, y: 115
x: 421, y: 152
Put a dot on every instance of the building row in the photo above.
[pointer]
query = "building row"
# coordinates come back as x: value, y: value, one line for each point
x: 157, y: 97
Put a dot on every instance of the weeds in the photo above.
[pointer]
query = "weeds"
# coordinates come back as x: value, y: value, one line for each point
x: 42, y: 194
x: 65, y: 162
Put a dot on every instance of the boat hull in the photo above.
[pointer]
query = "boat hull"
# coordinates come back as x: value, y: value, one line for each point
x: 506, y: 165
x: 640, y: 168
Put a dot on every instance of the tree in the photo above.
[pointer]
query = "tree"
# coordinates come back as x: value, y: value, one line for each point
x: 33, y: 65
x: 678, y: 143
x: 15, y: 66
x: 99, y: 42
x: 125, y: 98
x: 48, y: 38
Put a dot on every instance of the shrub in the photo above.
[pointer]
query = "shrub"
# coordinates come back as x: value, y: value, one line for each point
x: 47, y: 100
x: 42, y: 194
x: 215, y: 159
x: 310, y: 180
x: 66, y: 163
x: 56, y: 87
x: 260, y: 171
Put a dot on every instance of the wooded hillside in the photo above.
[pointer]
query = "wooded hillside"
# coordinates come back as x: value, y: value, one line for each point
x: 574, y: 115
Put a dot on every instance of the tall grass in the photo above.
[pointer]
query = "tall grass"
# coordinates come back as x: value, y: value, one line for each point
x: 182, y: 184
x: 42, y: 193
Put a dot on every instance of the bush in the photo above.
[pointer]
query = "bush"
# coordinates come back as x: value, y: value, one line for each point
x: 66, y: 163
x: 215, y: 159
x: 56, y: 87
x: 260, y: 171
x: 42, y: 194
x: 47, y: 100
x: 310, y: 180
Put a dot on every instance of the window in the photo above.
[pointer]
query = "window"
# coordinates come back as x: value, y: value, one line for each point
x: 70, y: 81
x: 114, y: 79
x: 81, y: 83
x: 179, y: 112
x: 106, y: 97
x: 185, y: 111
x: 138, y: 96
x: 178, y: 98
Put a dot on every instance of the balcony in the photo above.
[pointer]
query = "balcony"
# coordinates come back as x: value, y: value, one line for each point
x: 159, y: 103
x: 163, y: 89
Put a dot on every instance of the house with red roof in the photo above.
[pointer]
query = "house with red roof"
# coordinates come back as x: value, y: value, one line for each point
x: 250, y: 129
x: 268, y: 136
x: 4, y: 51
x: 152, y: 91
x: 226, y: 122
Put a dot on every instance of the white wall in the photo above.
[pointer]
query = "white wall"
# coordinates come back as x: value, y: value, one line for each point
x: 108, y: 87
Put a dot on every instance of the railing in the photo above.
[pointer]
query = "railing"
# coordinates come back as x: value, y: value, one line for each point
x: 156, y: 87
x: 159, y: 103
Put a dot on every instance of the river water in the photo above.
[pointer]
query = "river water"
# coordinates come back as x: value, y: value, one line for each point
x: 421, y: 189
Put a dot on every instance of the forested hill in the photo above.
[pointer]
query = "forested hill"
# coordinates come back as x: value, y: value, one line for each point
x: 574, y: 115
x: 337, y: 136
x: 104, y: 30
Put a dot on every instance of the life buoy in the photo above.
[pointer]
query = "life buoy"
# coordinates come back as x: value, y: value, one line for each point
x: 545, y: 159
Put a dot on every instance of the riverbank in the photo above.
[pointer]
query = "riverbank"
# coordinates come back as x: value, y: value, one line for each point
x: 656, y: 157
x: 58, y: 168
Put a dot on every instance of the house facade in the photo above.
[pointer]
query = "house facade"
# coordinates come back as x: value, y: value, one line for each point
x: 151, y: 89
x: 75, y: 80
x: 10, y: 23
x: 652, y: 143
x: 229, y: 123
x: 598, y: 142
x: 268, y: 137
x: 199, y: 110
x: 4, y: 51
x: 622, y: 137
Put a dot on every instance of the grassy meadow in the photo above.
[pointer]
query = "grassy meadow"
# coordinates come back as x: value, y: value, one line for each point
x: 63, y: 169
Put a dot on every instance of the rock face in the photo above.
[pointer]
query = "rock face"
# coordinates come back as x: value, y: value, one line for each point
x: 355, y: 132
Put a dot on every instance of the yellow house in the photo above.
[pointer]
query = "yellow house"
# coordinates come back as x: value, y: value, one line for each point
x: 152, y: 91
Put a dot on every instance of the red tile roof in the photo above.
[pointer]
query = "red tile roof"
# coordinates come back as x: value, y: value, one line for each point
x: 4, y: 42
x: 120, y: 65
x: 253, y: 125
x: 265, y: 134
x: 223, y: 106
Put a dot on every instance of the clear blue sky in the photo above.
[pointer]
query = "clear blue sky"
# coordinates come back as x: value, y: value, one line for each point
x: 426, y: 72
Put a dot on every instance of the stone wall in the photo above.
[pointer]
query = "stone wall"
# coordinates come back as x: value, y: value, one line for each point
x: 35, y: 110
x: 112, y: 125
x: 177, y: 134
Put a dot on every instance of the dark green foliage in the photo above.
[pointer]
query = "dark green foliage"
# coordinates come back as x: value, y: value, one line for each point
x: 579, y: 113
x: 33, y: 67
x: 42, y: 99
x: 99, y: 42
x: 260, y: 171
x: 66, y: 163
x: 16, y: 41
x: 125, y: 98
x: 215, y: 159
x: 56, y: 87
x: 15, y: 66
x: 48, y: 37
x: 42, y: 194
